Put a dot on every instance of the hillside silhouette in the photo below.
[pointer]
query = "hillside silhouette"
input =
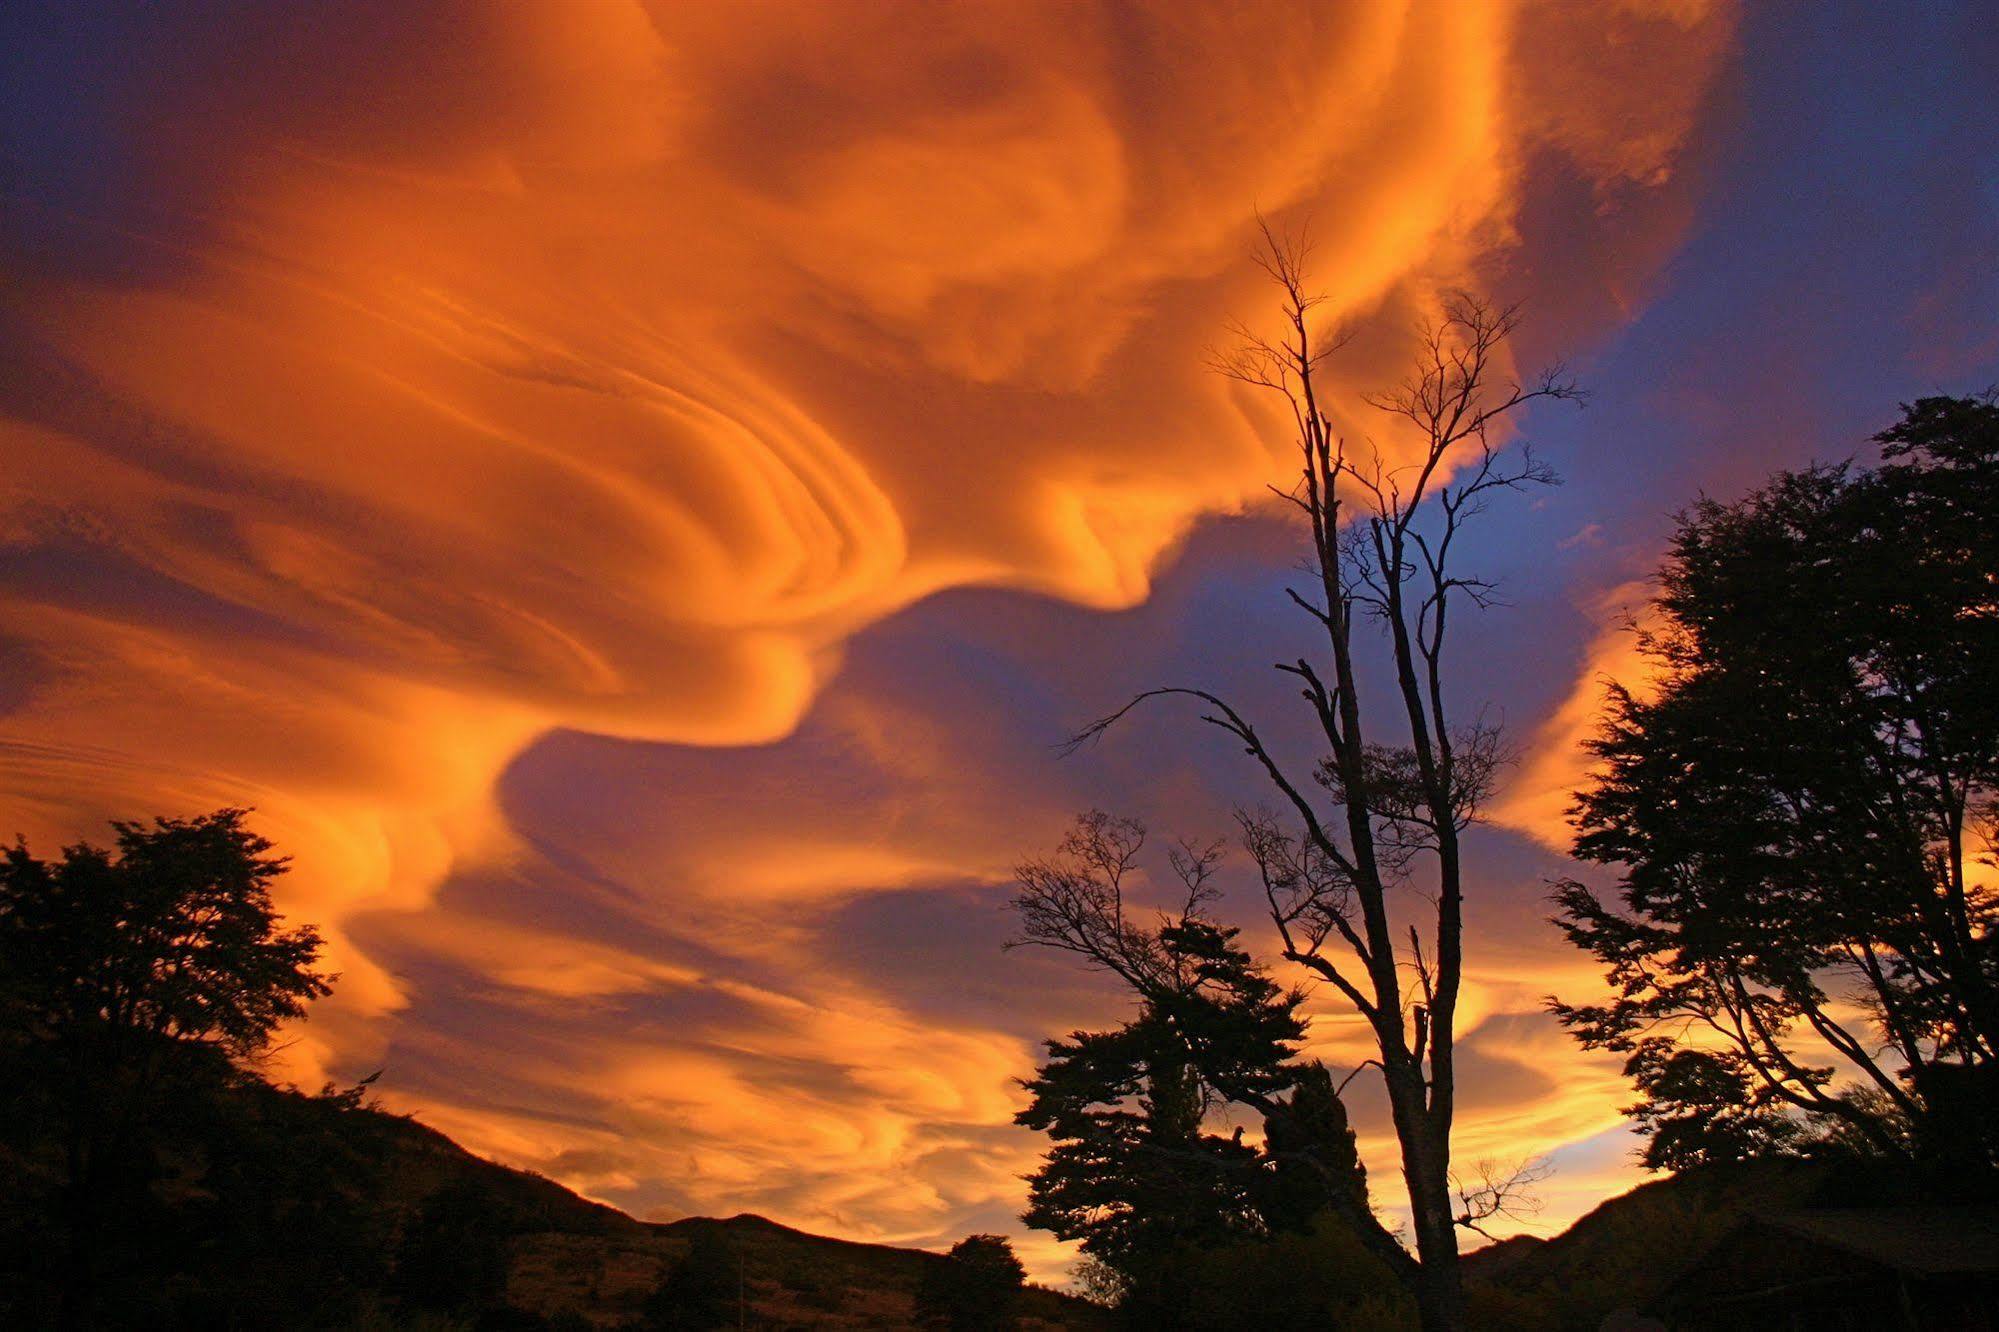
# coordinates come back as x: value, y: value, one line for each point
x: 151, y: 1177
x: 281, y: 1209
x: 382, y: 1221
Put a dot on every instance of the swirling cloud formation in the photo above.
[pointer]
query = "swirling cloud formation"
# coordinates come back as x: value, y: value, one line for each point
x: 395, y: 384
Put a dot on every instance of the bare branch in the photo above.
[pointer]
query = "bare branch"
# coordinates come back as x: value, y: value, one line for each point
x: 1495, y: 1190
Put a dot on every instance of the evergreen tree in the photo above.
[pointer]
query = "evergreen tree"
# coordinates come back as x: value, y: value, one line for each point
x: 1137, y: 1175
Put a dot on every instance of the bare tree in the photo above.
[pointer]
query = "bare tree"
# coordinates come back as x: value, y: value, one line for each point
x: 1499, y: 1189
x: 1362, y: 861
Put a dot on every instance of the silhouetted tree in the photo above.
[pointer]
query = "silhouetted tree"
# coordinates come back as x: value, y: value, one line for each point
x: 704, y: 1290
x: 1135, y: 1175
x: 1371, y: 839
x: 173, y: 938
x: 1313, y: 1155
x: 1704, y: 1107
x: 120, y: 972
x: 975, y: 1289
x: 1099, y: 1282
x: 1794, y: 804
x: 452, y: 1255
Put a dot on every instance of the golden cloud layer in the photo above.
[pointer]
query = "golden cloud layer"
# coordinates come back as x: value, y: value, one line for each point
x: 1538, y: 796
x: 437, y: 377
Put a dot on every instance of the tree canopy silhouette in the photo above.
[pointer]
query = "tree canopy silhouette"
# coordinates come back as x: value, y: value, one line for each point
x: 975, y: 1289
x: 126, y: 975
x: 172, y: 938
x: 1363, y: 858
x: 1135, y: 1174
x: 1795, y: 807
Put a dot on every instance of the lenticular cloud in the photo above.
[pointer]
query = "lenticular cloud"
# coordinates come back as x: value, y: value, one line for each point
x: 391, y: 390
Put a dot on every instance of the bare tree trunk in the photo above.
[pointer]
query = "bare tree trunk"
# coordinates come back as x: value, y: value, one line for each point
x: 1373, y: 816
x: 1439, y: 1288
x: 1382, y: 534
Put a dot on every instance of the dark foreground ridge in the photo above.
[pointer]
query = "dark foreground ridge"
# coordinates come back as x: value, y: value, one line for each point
x: 268, y: 1208
x: 258, y: 1207
x: 1779, y: 1242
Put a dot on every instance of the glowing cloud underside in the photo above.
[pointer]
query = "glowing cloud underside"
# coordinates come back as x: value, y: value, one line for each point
x: 390, y: 391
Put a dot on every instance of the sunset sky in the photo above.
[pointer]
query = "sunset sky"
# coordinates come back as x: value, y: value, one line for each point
x: 633, y: 494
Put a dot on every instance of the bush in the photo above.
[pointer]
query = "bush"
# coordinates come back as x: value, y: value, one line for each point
x: 975, y: 1289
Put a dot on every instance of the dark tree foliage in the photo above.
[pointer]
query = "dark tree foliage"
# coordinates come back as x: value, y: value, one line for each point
x: 704, y: 1290
x: 1704, y: 1107
x: 1136, y: 1175
x: 245, y: 1207
x: 1363, y: 854
x: 171, y: 938
x: 130, y: 979
x: 452, y: 1255
x: 151, y: 1178
x: 279, y: 1229
x: 1132, y: 1174
x: 1312, y: 1152
x: 1319, y: 1277
x: 1797, y: 807
x: 975, y: 1289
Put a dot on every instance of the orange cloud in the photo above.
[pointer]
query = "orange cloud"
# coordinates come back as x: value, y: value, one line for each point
x: 461, y: 374
x: 1536, y: 800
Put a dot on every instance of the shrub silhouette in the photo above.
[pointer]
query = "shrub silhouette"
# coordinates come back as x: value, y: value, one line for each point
x: 452, y: 1258
x: 704, y: 1290
x: 974, y: 1289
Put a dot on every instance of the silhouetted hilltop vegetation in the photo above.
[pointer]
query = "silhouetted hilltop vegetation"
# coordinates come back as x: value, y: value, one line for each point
x: 151, y: 1178
x: 1772, y: 1241
x: 271, y: 1208
x: 1630, y: 1250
